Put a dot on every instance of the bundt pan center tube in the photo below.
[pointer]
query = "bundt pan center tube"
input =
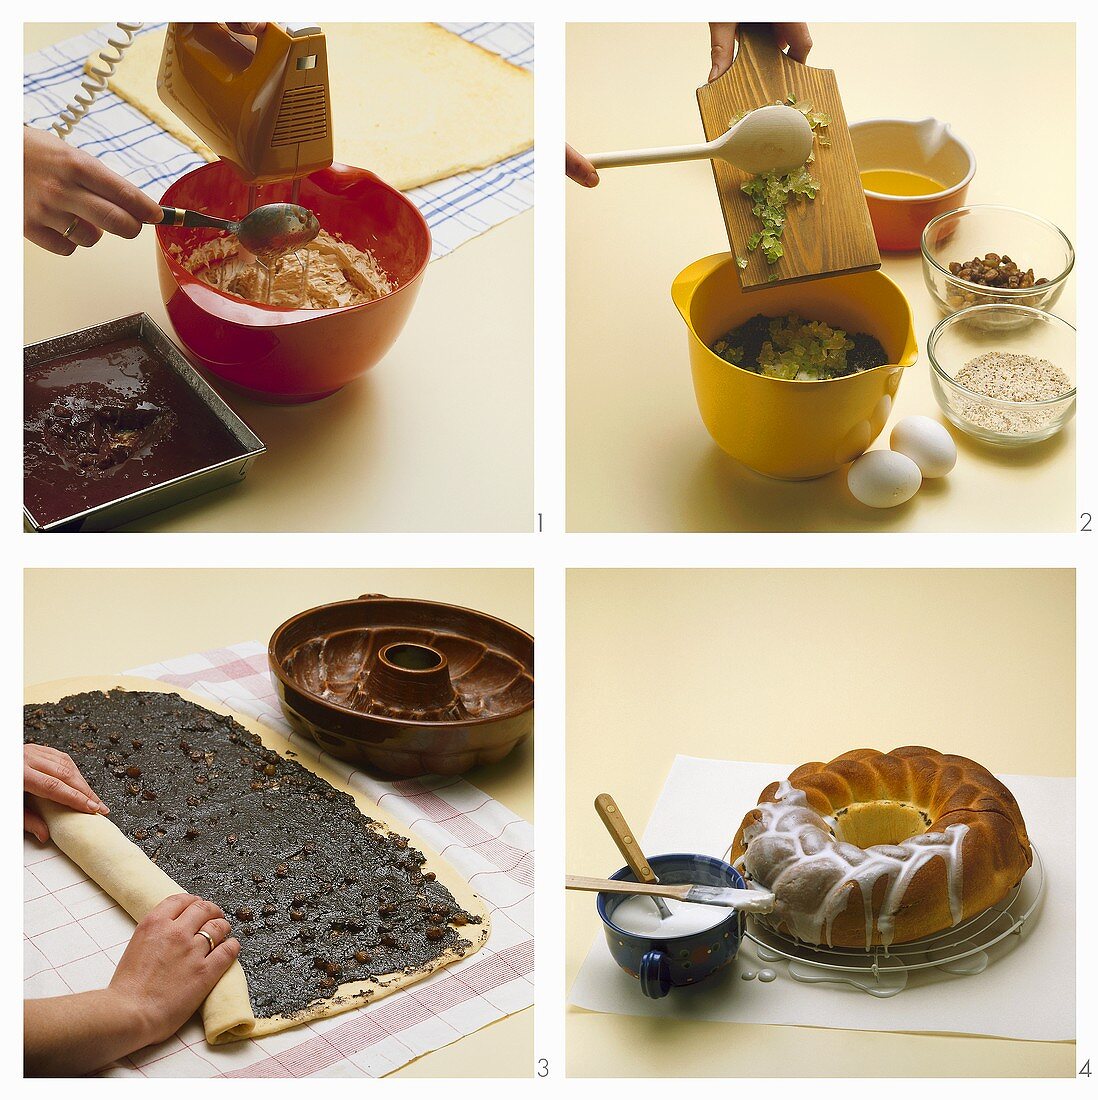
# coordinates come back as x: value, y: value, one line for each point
x: 408, y: 680
x: 878, y: 848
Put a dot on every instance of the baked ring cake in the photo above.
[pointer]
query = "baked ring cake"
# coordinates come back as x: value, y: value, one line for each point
x: 876, y: 848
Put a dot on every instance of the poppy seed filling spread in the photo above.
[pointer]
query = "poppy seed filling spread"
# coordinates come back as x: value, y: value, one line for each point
x: 318, y: 893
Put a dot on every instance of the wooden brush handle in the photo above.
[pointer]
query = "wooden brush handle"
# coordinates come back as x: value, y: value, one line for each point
x: 618, y: 827
x: 621, y: 886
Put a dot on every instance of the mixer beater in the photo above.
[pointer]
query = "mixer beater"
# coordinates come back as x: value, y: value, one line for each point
x: 265, y: 108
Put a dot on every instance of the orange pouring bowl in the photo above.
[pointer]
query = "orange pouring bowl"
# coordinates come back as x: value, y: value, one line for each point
x: 793, y: 430
x: 281, y: 355
x: 926, y: 147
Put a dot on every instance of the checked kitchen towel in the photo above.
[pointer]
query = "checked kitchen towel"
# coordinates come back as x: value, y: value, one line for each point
x: 74, y: 934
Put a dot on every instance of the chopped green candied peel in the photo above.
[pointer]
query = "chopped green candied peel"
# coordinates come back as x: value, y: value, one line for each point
x: 807, y: 349
x: 793, y: 349
x: 770, y: 192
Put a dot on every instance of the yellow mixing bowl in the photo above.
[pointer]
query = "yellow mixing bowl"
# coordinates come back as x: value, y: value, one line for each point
x: 793, y: 430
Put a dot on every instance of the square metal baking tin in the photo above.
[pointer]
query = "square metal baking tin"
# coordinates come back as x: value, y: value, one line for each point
x: 117, y: 512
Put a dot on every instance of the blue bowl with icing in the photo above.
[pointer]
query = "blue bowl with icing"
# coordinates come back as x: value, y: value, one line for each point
x: 664, y: 962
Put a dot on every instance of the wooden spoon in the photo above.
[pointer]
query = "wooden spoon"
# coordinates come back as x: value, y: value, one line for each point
x: 616, y: 825
x: 771, y: 139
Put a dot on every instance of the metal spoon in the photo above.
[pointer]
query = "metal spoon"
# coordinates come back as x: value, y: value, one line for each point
x: 267, y: 232
x: 769, y: 139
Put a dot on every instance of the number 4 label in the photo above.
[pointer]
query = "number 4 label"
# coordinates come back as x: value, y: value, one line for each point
x: 1085, y: 1071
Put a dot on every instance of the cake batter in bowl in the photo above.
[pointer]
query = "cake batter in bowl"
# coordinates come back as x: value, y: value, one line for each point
x: 292, y: 355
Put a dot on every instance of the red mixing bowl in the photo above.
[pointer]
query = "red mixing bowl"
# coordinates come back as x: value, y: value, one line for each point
x: 282, y: 355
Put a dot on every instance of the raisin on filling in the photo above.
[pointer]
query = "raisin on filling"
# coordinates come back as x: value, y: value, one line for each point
x: 318, y: 894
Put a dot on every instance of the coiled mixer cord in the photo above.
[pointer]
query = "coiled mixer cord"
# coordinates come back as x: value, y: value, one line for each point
x: 95, y: 83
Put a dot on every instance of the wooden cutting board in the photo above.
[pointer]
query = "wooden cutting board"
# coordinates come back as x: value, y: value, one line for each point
x: 830, y: 235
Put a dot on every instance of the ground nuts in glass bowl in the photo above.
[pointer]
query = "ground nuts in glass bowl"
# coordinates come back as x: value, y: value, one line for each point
x: 1005, y: 374
x: 973, y: 241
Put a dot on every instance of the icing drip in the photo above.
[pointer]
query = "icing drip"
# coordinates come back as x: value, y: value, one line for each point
x: 794, y: 851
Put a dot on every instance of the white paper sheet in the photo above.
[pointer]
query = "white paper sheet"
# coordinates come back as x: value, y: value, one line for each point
x: 1028, y: 992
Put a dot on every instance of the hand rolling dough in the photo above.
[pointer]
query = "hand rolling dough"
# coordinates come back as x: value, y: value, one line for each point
x: 125, y: 872
x: 410, y: 101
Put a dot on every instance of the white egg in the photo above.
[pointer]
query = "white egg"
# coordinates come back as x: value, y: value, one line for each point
x: 883, y: 479
x: 926, y: 443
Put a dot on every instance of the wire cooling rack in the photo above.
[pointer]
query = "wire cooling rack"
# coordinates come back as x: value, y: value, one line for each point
x: 965, y: 943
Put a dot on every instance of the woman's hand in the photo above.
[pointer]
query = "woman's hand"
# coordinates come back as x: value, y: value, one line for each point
x: 722, y: 38
x: 52, y: 775
x: 70, y: 200
x: 168, y: 969
x: 577, y: 167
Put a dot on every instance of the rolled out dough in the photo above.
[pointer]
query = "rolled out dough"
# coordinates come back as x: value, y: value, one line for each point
x: 100, y: 849
x: 411, y: 102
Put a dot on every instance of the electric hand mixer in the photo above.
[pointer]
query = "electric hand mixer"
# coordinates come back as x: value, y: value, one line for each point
x: 264, y: 108
x: 262, y: 103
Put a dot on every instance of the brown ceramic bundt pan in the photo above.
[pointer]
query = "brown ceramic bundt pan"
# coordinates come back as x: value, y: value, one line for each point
x: 409, y: 687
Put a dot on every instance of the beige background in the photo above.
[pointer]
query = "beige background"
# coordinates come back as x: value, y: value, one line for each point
x: 799, y: 665
x: 437, y: 437
x: 81, y: 622
x: 639, y: 457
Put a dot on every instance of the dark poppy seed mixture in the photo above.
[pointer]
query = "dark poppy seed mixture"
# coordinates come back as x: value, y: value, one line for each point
x: 317, y: 893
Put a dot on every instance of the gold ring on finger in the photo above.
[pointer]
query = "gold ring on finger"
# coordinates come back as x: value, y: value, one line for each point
x: 207, y: 937
x: 72, y: 225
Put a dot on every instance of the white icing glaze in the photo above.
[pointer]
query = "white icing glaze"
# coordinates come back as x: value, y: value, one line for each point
x: 637, y: 914
x: 767, y: 975
x: 793, y: 851
x: 882, y: 983
x: 748, y: 975
x: 976, y: 962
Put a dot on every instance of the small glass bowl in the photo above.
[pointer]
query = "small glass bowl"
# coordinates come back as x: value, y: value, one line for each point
x: 962, y: 336
x: 969, y: 231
